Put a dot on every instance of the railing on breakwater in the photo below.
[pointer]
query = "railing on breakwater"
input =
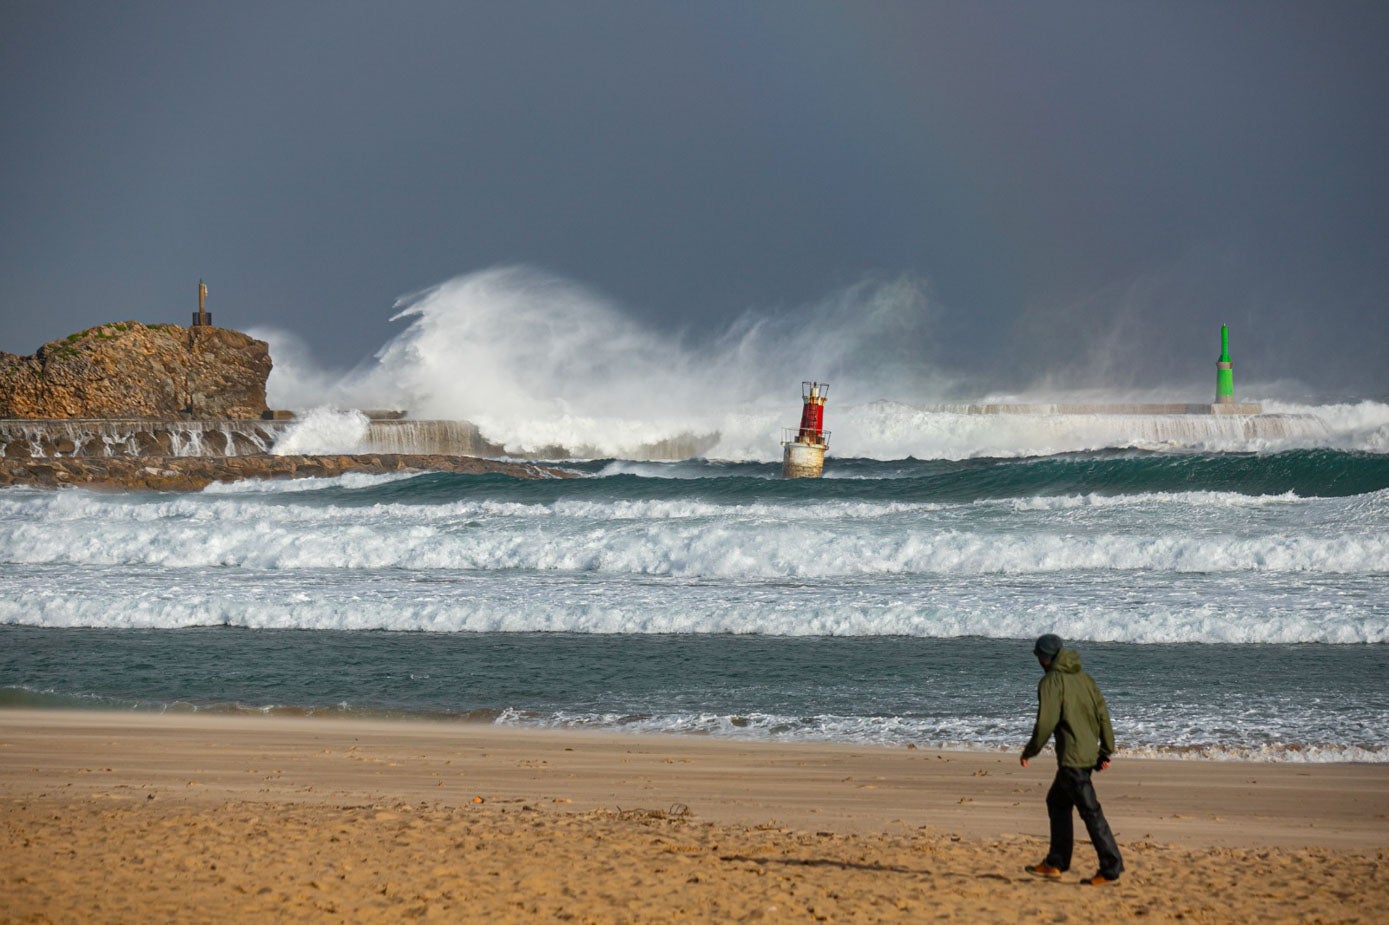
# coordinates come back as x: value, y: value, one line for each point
x: 101, y: 437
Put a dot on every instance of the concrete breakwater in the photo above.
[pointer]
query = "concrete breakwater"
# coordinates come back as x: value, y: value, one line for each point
x: 87, y: 438
x: 1166, y: 424
x: 1173, y: 423
x: 463, y: 437
x: 106, y: 439
x: 449, y: 438
x: 101, y: 438
x: 93, y: 438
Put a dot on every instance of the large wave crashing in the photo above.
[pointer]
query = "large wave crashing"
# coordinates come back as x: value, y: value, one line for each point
x: 536, y: 362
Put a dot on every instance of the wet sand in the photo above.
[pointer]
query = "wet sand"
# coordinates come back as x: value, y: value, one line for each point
x: 118, y: 817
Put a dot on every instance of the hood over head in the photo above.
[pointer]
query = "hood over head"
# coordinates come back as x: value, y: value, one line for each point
x: 1067, y: 660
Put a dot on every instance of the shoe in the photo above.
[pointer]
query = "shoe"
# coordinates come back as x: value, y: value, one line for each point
x: 1100, y: 880
x: 1043, y: 870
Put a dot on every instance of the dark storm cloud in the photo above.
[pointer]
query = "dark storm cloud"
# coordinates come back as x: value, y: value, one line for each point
x: 1087, y: 189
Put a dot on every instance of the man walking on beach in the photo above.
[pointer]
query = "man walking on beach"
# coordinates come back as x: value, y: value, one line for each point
x: 1070, y: 704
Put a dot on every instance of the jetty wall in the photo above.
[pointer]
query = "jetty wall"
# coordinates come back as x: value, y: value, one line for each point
x: 1175, y: 423
x: 25, y: 438
x: 101, y: 437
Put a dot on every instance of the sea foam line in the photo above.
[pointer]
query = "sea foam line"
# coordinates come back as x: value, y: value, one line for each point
x: 1151, y: 613
x: 898, y: 731
x: 237, y: 502
x: 749, y: 550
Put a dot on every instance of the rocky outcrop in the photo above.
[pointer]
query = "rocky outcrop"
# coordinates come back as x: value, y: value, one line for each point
x: 192, y: 473
x: 132, y: 370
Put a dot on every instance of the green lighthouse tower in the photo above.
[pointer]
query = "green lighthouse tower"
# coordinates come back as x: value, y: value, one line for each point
x: 1224, y: 370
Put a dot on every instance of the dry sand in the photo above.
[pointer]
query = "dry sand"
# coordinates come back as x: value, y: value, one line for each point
x: 113, y: 817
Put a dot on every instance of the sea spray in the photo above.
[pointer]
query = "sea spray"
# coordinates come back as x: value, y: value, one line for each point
x: 296, y: 379
x: 545, y: 366
x: 538, y: 362
x: 323, y: 431
x: 1362, y: 425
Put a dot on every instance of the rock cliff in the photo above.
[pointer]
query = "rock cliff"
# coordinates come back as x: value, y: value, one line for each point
x: 132, y: 370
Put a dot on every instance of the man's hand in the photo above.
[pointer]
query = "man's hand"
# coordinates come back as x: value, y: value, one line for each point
x: 1022, y: 761
x: 1104, y: 763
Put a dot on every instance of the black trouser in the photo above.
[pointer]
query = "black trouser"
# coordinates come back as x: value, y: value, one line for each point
x: 1072, y: 790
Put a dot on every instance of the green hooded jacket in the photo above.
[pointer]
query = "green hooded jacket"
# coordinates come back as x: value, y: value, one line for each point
x: 1070, y: 704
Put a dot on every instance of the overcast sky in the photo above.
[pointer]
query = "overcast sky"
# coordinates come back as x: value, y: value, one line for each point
x: 1085, y: 190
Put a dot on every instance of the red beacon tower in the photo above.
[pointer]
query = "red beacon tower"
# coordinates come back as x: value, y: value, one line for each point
x: 804, y: 446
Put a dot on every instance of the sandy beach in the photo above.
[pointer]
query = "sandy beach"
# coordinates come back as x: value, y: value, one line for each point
x: 117, y: 817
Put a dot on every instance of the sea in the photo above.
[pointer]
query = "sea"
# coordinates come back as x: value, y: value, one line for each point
x: 1231, y: 600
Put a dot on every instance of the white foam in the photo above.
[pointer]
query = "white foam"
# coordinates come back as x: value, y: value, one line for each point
x: 1158, y: 609
x: 323, y: 430
x: 1196, y: 566
x: 961, y: 733
x: 1195, y: 499
x: 673, y: 548
x: 1295, y: 753
x: 701, y: 540
x: 1360, y: 425
x: 349, y: 481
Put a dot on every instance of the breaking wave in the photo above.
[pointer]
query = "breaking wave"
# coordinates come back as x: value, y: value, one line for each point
x: 538, y: 363
x: 1256, y: 548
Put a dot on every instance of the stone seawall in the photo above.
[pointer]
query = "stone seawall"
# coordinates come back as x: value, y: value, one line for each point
x: 93, y: 438
x: 446, y: 437
x: 85, y: 438
x: 99, y: 437
x: 1175, y: 424
x: 192, y: 473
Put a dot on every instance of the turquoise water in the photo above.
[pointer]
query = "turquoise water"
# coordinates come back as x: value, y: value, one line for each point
x: 1231, y: 604
x: 1220, y: 700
